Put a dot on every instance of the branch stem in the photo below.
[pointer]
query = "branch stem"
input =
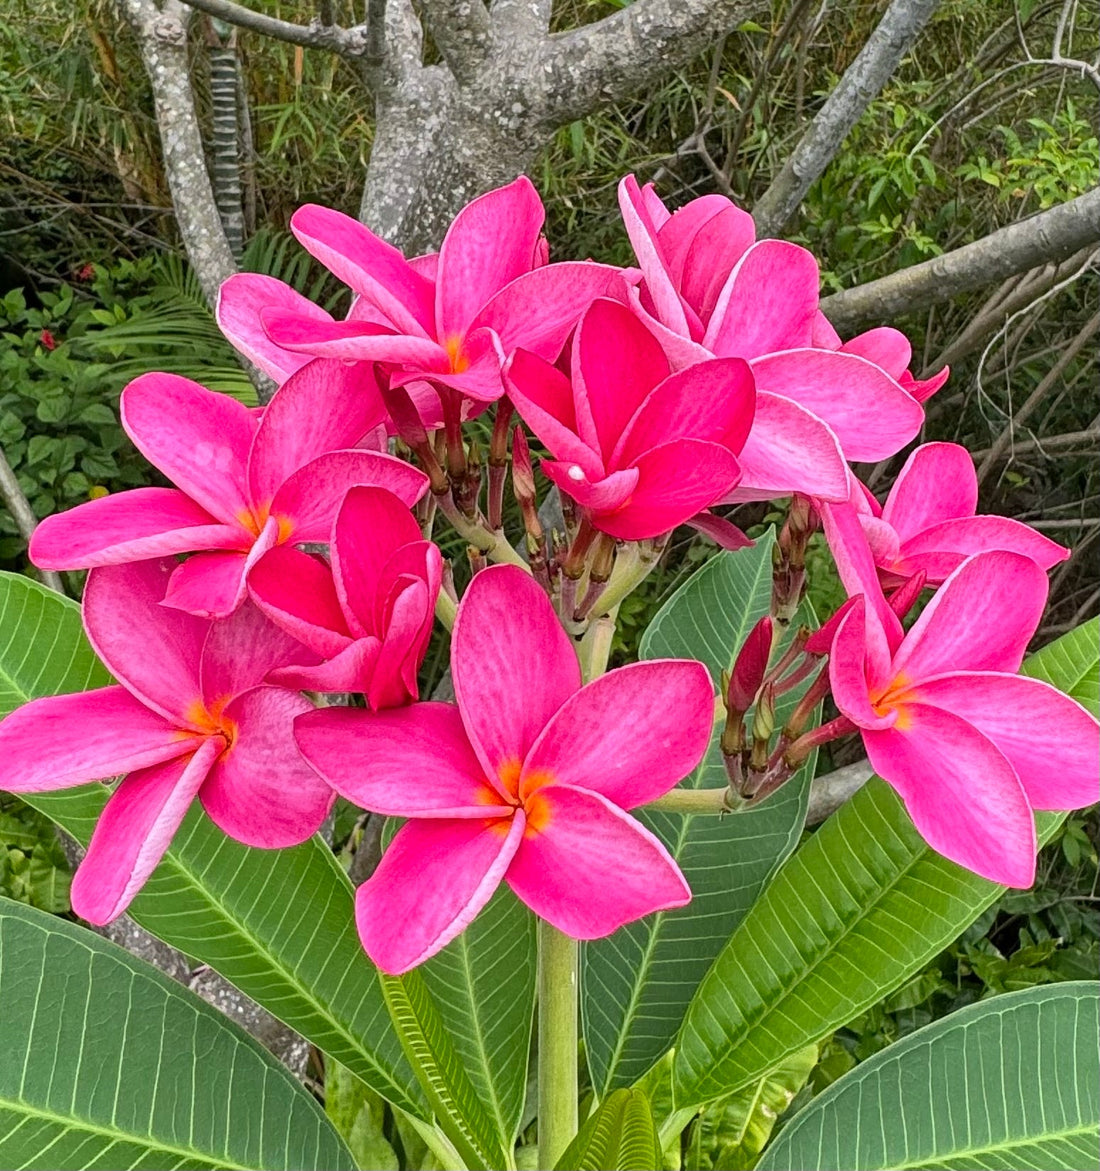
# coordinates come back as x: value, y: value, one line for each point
x: 557, y: 979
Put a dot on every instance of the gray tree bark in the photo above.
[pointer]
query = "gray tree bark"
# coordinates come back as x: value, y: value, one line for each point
x: 862, y: 82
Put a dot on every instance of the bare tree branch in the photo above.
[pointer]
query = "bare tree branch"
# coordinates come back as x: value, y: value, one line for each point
x: 516, y: 18
x: 862, y: 82
x: 460, y: 29
x: 1045, y: 238
x: 348, y: 42
x: 578, y: 71
x: 23, y: 515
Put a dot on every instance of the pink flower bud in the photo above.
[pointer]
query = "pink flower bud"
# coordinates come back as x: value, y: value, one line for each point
x: 750, y: 666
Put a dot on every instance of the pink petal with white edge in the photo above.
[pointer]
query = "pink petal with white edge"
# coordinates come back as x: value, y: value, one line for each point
x: 588, y: 868
x: 1048, y: 738
x: 886, y: 347
x: 326, y: 406
x: 135, y: 828
x: 882, y: 539
x: 675, y: 481
x: 349, y: 669
x: 864, y: 407
x: 539, y: 309
x: 209, y: 585
x: 429, y: 886
x: 602, y: 495
x: 62, y: 740
x: 240, y: 301
x: 939, y: 549
x: 631, y: 734
x: 408, y: 610
x: 848, y: 672
x: 823, y: 335
x: 964, y: 797
x: 543, y: 397
x: 490, y: 243
x: 980, y: 619
x: 642, y: 232
x: 768, y: 302
x: 712, y: 255
x: 937, y: 483
x: 616, y: 363
x: 789, y: 449
x: 407, y: 762
x: 351, y: 341
x: 374, y: 269
x: 513, y: 665
x: 296, y: 591
x: 150, y: 649
x: 679, y: 349
x: 310, y: 497
x: 197, y: 437
x: 130, y: 526
x: 261, y: 791
x: 242, y: 650
x: 714, y: 401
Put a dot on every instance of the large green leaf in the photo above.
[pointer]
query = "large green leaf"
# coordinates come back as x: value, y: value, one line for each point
x: 637, y: 983
x: 857, y: 910
x: 484, y: 985
x: 620, y: 1136
x: 1009, y: 1082
x: 278, y: 923
x: 107, y: 1063
x: 462, y: 1115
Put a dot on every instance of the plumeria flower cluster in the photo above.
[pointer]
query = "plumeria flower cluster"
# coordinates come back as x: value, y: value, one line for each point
x: 293, y: 557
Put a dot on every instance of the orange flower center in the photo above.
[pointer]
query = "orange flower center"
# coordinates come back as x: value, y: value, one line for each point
x: 526, y: 796
x: 254, y: 520
x: 211, y: 720
x: 892, y: 698
x: 459, y: 361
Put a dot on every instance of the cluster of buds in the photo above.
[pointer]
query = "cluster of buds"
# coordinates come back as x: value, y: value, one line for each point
x: 789, y: 558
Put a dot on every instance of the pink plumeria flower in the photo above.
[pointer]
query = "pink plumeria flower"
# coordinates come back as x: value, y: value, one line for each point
x: 639, y: 448
x: 448, y: 320
x: 245, y: 482
x: 370, y: 617
x: 886, y: 347
x: 709, y: 290
x: 928, y: 524
x: 190, y: 716
x: 970, y: 746
x: 525, y: 780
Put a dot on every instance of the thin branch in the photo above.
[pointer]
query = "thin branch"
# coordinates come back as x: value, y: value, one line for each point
x: 347, y: 42
x: 1048, y: 237
x: 23, y: 515
x: 460, y: 29
x: 578, y: 71
x: 1072, y: 442
x: 862, y: 82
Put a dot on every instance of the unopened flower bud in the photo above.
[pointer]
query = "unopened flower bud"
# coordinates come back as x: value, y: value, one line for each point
x: 763, y: 720
x: 498, y: 443
x: 903, y: 598
x: 750, y: 666
x: 523, y: 474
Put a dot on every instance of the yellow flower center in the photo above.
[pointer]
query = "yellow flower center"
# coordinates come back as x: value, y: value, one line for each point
x: 892, y: 698
x: 211, y: 720
x: 459, y: 361
x: 254, y: 521
x: 527, y: 797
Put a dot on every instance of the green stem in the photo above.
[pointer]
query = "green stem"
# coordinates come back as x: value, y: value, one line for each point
x: 557, y: 1043
x: 631, y: 569
x: 445, y: 609
x: 694, y: 801
x: 494, y: 545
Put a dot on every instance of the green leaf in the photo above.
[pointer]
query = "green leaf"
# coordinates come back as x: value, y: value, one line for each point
x: 108, y: 1063
x: 637, y: 983
x: 729, y: 1135
x: 1009, y: 1082
x: 459, y: 1111
x: 1070, y: 663
x: 620, y: 1136
x: 358, y: 1114
x: 279, y: 924
x: 861, y: 907
x: 484, y: 985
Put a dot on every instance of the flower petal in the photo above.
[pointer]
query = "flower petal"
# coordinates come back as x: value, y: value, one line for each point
x: 152, y: 650
x: 241, y: 651
x: 712, y: 253
x: 938, y: 550
x: 296, y: 591
x: 62, y: 740
x: 197, y: 437
x: 491, y: 242
x: 937, y: 483
x: 261, y: 791
x: 886, y: 347
x: 980, y: 619
x: 240, y: 301
x: 406, y: 762
x: 135, y: 828
x: 961, y: 792
x: 870, y: 414
x: 129, y: 526
x: 326, y: 406
x: 354, y: 340
x: 643, y: 234
x: 429, y: 886
x: 768, y: 302
x: 631, y: 734
x: 310, y: 497
x: 349, y: 669
x: 602, y: 495
x: 374, y: 269
x: 1048, y: 738
x: 789, y: 449
x: 851, y: 675
x: 513, y: 665
x: 588, y: 868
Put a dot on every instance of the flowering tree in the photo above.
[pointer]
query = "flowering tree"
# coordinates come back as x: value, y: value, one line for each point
x: 639, y: 811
